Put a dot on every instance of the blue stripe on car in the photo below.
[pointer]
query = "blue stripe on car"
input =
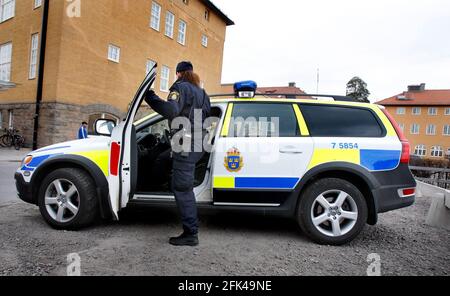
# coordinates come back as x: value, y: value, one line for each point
x: 379, y: 160
x: 266, y: 183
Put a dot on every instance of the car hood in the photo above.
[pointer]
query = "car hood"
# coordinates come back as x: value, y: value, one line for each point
x: 92, y: 143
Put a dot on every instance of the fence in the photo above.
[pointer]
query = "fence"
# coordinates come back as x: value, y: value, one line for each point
x: 435, y: 176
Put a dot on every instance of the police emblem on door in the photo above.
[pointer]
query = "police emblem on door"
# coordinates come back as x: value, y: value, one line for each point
x: 234, y: 161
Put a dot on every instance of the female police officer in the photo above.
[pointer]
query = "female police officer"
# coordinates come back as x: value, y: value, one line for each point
x: 185, y: 100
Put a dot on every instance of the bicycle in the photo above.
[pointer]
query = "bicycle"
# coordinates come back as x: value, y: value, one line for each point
x: 12, y: 138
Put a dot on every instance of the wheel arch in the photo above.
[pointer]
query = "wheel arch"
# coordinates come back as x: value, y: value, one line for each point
x: 80, y: 162
x: 352, y: 173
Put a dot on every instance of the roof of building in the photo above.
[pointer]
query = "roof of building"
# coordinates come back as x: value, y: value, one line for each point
x: 219, y: 12
x: 419, y: 98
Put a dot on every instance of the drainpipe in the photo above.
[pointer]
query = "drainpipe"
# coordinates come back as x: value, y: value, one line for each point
x: 40, y: 80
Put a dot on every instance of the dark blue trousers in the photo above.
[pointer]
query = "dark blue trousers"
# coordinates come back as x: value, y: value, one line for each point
x: 183, y: 189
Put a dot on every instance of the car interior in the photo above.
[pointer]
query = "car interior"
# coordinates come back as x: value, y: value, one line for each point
x: 154, y: 164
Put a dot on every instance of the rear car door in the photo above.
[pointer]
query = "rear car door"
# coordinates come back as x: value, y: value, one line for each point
x: 263, y: 150
x: 123, y: 161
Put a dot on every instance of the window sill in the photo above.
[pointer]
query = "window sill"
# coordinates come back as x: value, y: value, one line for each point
x: 1, y: 22
x: 116, y: 62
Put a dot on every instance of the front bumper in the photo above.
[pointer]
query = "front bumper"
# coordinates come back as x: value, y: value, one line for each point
x: 23, y: 189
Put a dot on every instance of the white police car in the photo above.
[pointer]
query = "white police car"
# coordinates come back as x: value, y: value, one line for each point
x: 331, y: 165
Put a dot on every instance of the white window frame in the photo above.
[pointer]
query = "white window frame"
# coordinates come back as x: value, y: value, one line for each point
x: 148, y: 67
x: 155, y: 16
x: 11, y: 4
x: 170, y: 24
x: 420, y: 150
x: 37, y: 3
x: 33, y: 56
x: 437, y: 151
x: 432, y: 111
x: 401, y: 111
x: 447, y: 111
x: 413, y: 130
x: 11, y: 119
x: 114, y: 53
x: 431, y: 129
x: 446, y: 130
x: 418, y: 109
x: 402, y: 126
x: 204, y: 40
x: 165, y: 77
x: 5, y: 61
x: 182, y: 28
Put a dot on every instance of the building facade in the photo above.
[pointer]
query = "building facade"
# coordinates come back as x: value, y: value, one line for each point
x: 424, y: 117
x: 97, y: 53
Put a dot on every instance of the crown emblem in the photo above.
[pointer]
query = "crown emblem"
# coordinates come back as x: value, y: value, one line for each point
x: 234, y: 161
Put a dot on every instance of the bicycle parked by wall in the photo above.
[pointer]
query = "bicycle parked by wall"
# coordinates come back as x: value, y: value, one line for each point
x: 12, y: 138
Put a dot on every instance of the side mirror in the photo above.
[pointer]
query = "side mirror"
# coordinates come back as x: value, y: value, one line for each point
x: 104, y: 127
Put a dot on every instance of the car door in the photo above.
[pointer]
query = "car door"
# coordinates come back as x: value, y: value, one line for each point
x: 262, y: 152
x: 123, y: 151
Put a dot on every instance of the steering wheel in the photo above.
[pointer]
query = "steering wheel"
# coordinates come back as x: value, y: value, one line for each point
x: 165, y: 138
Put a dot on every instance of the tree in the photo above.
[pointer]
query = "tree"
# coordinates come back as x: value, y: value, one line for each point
x: 357, y: 89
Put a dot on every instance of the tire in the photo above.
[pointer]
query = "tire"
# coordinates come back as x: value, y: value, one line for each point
x: 6, y: 140
x: 341, y: 224
x: 18, y: 143
x: 84, y: 199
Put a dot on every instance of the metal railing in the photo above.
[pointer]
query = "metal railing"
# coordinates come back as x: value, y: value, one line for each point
x: 435, y: 176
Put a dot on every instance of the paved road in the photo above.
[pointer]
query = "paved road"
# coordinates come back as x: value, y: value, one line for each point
x: 7, y: 187
x: 229, y: 245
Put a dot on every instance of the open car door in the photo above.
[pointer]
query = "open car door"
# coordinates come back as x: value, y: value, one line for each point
x: 123, y: 155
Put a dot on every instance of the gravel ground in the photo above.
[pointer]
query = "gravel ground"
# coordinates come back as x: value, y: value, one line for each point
x: 235, y: 244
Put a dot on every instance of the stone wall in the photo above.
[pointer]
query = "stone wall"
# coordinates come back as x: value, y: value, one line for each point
x: 57, y: 123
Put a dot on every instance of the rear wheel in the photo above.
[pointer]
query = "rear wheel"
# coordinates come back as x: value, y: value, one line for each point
x: 332, y: 211
x: 67, y: 199
x: 6, y: 140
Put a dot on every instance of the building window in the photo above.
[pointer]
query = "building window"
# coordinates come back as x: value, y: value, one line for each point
x: 186, y: 2
x: 170, y: 21
x: 37, y: 3
x: 114, y: 53
x: 207, y: 15
x: 165, y: 74
x: 7, y: 8
x: 420, y: 150
x: 5, y: 61
x: 148, y: 68
x: 205, y: 40
x: 156, y: 16
x: 431, y: 130
x: 436, y: 151
x: 182, y: 32
x: 416, y: 111
x: 415, y: 129
x: 446, y: 130
x: 432, y: 111
x: 447, y: 111
x: 11, y: 119
x: 1, y: 119
x: 33, y: 55
x: 401, y: 110
x: 401, y: 126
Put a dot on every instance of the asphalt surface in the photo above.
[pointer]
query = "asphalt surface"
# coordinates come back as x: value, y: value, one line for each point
x: 7, y: 188
x: 236, y: 244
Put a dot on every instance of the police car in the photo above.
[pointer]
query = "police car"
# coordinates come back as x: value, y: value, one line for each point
x: 333, y: 165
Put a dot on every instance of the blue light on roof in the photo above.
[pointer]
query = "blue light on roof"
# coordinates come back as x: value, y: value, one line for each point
x: 245, y: 86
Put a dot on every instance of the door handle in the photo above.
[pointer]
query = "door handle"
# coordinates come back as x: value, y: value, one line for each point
x: 290, y: 150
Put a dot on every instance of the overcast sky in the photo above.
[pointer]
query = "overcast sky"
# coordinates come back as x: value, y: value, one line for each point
x: 388, y: 43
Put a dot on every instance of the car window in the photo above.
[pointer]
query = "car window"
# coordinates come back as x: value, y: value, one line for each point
x: 263, y: 120
x: 336, y: 121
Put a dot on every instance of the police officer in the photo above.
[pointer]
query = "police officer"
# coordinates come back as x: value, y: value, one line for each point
x: 186, y: 99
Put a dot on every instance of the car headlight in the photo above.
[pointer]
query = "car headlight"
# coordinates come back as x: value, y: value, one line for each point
x: 26, y: 160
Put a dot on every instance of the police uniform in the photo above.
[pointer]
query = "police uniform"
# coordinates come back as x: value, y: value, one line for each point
x: 183, y: 99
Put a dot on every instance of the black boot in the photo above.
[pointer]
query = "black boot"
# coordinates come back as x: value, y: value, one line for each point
x: 186, y: 239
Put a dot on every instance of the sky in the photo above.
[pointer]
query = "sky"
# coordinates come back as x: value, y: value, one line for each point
x: 390, y: 44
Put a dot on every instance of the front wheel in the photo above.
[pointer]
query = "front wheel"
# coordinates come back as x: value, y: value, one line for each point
x: 67, y: 199
x: 332, y: 211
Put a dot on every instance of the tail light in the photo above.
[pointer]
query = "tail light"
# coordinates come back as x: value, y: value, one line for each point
x: 406, y: 151
x: 407, y: 192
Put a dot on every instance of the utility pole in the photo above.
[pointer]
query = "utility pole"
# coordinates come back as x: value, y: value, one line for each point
x: 40, y: 80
